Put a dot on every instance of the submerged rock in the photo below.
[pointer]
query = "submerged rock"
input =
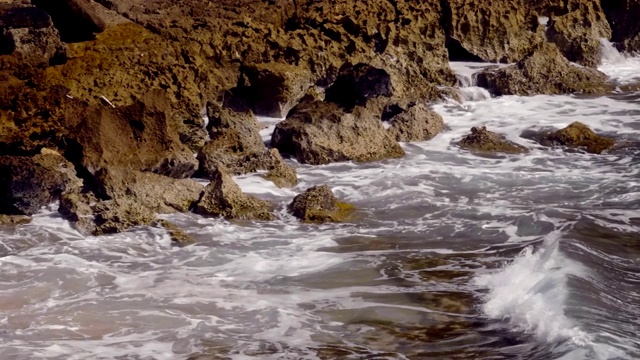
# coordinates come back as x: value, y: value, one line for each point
x: 544, y: 71
x: 322, y: 132
x: 29, y: 183
x: 417, y: 123
x: 578, y: 135
x: 14, y: 220
x: 319, y: 205
x: 223, y: 197
x: 356, y: 84
x: 485, y: 141
x: 178, y: 235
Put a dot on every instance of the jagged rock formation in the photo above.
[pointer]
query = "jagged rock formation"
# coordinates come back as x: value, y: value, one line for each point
x: 415, y: 123
x: 544, y: 71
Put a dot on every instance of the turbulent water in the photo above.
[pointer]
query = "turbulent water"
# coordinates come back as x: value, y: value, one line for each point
x: 451, y: 255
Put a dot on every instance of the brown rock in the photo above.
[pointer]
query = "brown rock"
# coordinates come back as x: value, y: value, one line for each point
x: 223, y: 197
x: 322, y: 132
x: 577, y: 33
x: 13, y: 220
x: 484, y: 141
x: 545, y: 71
x: 178, y: 235
x: 160, y: 194
x: 243, y: 124
x: 578, y: 135
x: 319, y: 205
x: 29, y: 183
x: 29, y: 35
x: 502, y: 31
x: 142, y: 136
x: 417, y: 123
x: 280, y: 173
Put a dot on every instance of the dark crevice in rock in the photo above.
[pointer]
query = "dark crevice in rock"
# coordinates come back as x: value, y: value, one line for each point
x: 7, y: 46
x: 455, y: 50
x: 72, y: 27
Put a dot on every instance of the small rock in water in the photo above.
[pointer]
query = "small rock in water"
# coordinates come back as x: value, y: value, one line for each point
x: 319, y: 205
x: 177, y: 235
x: 579, y: 135
x: 14, y: 220
x: 485, y: 141
x: 417, y: 123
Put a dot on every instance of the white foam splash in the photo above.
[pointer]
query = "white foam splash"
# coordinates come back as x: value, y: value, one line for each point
x: 531, y: 292
x: 619, y: 67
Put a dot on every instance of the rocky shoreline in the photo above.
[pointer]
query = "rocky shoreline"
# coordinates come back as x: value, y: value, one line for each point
x: 112, y: 107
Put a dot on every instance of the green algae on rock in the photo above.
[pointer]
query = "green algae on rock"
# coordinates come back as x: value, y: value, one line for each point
x: 579, y: 135
x: 319, y: 205
x: 485, y: 141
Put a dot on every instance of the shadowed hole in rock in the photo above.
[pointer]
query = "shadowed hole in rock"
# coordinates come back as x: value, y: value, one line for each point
x: 72, y: 27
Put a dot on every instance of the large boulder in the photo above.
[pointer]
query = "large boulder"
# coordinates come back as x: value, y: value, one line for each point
x: 623, y: 18
x: 223, y: 197
x: 142, y: 136
x: 578, y: 32
x: 416, y: 123
x: 28, y: 34
x: 356, y: 84
x: 318, y: 205
x: 484, y: 141
x: 580, y: 136
x: 323, y: 132
x: 29, y: 183
x: 544, y: 71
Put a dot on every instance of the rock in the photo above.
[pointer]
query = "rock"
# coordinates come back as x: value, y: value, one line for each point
x: 577, y: 33
x: 92, y: 216
x: 417, y: 123
x: 623, y: 19
x: 484, y: 141
x: 28, y: 34
x: 160, y: 194
x: 142, y: 137
x: 272, y: 89
x: 503, y: 31
x: 243, y: 124
x: 578, y: 135
x: 13, y: 220
x: 29, y: 183
x: 356, y: 84
x: 545, y: 71
x: 178, y: 236
x: 319, y: 205
x: 223, y: 197
x: 280, y: 173
x: 322, y: 132
x: 193, y: 133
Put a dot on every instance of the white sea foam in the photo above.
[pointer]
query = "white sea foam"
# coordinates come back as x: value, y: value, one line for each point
x: 531, y: 293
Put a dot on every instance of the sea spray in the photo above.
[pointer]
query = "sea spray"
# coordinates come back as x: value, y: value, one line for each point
x: 531, y: 293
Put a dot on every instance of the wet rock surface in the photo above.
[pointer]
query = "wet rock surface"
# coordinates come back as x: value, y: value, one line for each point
x: 319, y: 205
x: 29, y: 183
x: 577, y: 135
x: 322, y: 132
x: 223, y: 197
x: 544, y: 71
x: 624, y: 23
x: 417, y: 123
x: 484, y: 141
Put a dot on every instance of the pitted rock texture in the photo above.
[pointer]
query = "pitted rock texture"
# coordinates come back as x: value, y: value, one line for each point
x: 322, y: 132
